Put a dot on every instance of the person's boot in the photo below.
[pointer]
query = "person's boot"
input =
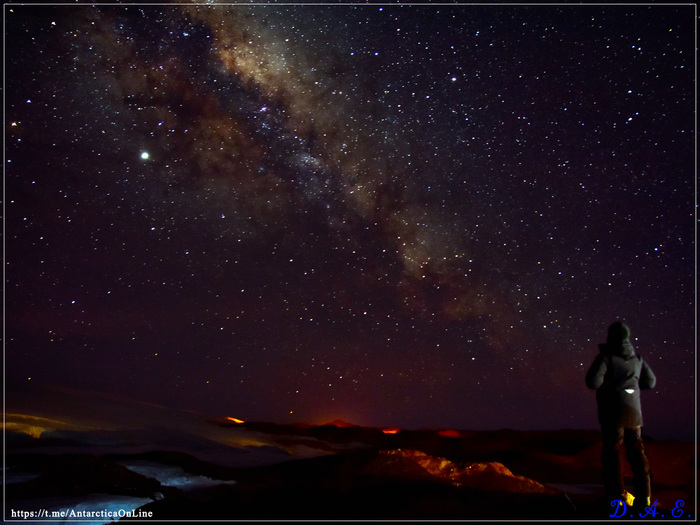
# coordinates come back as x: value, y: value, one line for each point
x: 643, y: 508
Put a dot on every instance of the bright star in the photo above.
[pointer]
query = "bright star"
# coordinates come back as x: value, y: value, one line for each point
x: 144, y: 155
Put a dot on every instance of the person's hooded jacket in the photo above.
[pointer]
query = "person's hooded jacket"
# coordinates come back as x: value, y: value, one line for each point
x: 618, y: 374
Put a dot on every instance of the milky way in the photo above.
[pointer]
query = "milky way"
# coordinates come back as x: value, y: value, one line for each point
x: 395, y: 215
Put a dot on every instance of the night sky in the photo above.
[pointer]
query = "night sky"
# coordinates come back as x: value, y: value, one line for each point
x: 395, y: 215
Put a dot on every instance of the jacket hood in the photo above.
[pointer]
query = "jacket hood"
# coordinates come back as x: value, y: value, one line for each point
x: 618, y: 333
x: 624, y: 349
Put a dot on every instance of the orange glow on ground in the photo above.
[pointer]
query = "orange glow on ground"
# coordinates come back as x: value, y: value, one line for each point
x: 450, y: 433
x: 234, y: 420
x: 391, y: 430
x: 33, y: 426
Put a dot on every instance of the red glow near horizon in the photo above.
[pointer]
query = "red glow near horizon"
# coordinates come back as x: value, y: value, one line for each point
x: 391, y: 430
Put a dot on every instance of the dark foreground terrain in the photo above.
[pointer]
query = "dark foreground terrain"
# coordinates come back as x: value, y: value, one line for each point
x: 262, y: 471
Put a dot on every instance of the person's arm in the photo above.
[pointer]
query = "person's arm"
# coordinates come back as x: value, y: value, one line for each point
x: 647, y: 379
x: 596, y: 373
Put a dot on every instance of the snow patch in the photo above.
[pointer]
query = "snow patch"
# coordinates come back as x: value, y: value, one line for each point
x: 173, y: 476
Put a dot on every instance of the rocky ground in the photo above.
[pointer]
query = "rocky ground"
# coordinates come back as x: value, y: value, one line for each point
x: 337, y: 472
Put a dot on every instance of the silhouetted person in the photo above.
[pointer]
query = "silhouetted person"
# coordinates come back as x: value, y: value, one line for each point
x: 618, y: 374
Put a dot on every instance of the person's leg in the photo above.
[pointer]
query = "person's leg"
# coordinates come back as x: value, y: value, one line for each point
x: 639, y: 463
x: 611, y: 458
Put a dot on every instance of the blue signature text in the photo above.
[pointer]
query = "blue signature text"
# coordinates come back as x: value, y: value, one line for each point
x: 647, y: 512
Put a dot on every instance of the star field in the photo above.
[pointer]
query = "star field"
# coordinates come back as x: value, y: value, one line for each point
x: 409, y: 215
